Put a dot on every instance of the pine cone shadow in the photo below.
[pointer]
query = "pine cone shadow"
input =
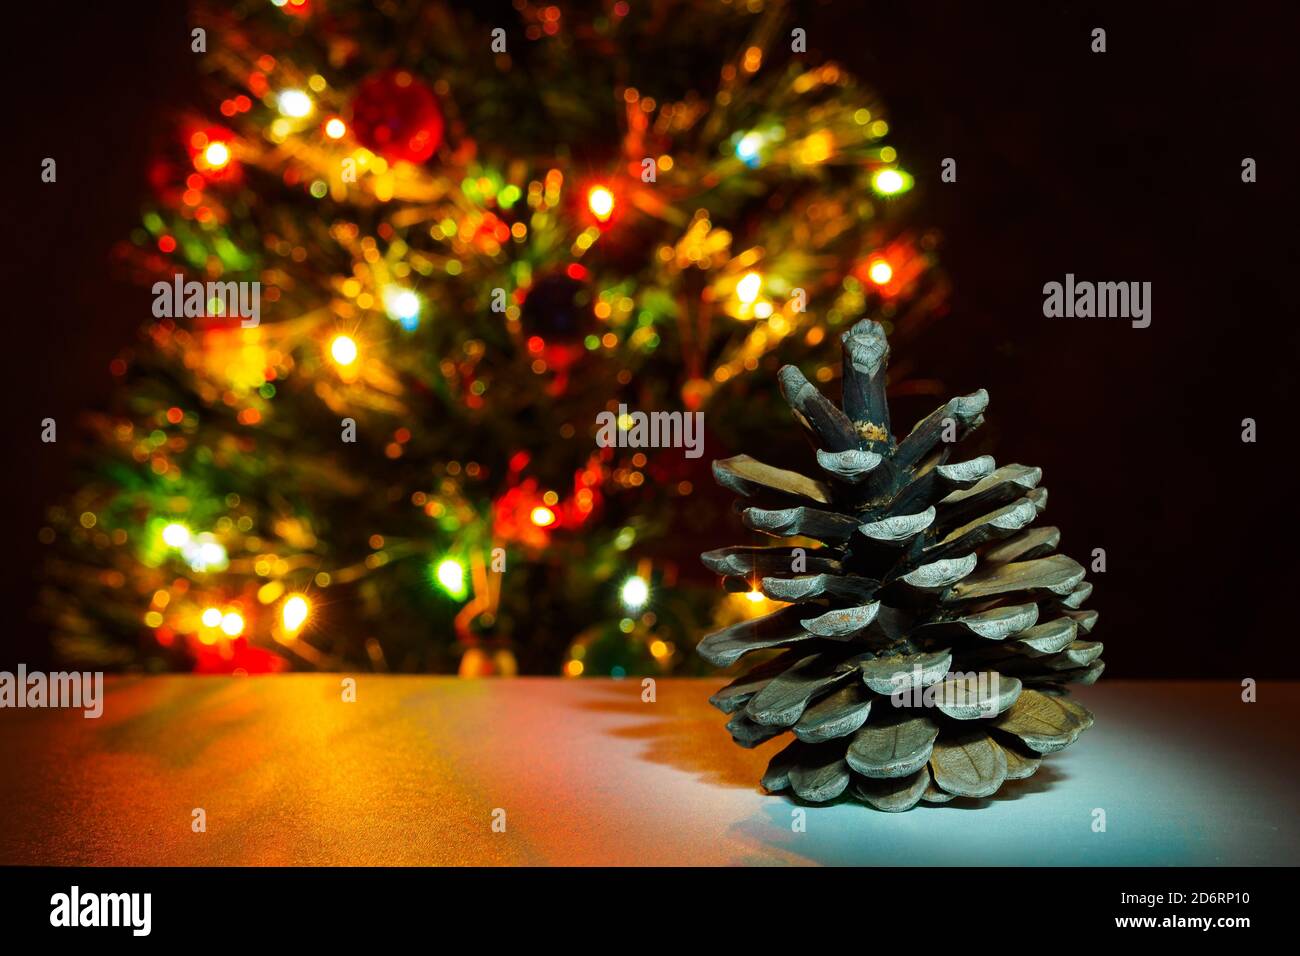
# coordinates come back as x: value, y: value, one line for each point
x: 677, y: 735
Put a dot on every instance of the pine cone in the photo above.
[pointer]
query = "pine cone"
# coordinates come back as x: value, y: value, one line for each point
x: 926, y: 642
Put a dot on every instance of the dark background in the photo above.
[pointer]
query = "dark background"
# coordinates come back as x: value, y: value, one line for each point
x: 1123, y: 166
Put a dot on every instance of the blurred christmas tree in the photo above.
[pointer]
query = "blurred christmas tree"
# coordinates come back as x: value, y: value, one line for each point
x: 472, y: 233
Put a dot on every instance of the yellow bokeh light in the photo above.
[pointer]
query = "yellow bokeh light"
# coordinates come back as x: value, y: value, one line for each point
x: 748, y: 287
x: 211, y: 617
x: 217, y: 154
x: 232, y: 623
x: 891, y: 182
x: 293, y: 613
x: 573, y: 668
x: 543, y: 517
x: 335, y: 128
x: 817, y: 148
x: 601, y: 202
x: 343, y: 350
x: 881, y: 272
x: 294, y: 103
x: 888, y: 181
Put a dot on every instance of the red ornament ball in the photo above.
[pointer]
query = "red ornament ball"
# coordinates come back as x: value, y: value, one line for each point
x: 397, y: 116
